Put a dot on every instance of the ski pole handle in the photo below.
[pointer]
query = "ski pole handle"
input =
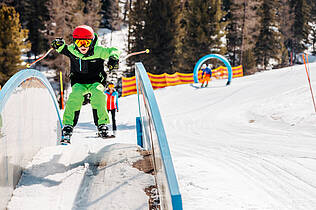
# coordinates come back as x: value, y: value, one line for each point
x: 29, y: 65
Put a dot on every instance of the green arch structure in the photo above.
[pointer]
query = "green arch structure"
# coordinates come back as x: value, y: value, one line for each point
x: 207, y: 57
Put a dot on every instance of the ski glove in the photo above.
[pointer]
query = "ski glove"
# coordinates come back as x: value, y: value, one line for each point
x: 113, y: 63
x: 58, y: 42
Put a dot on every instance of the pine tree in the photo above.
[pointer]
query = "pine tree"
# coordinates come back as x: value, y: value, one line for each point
x: 286, y: 20
x: 155, y: 28
x: 12, y: 43
x: 249, y: 62
x: 127, y: 6
x: 234, y: 31
x: 249, y: 33
x: 110, y: 12
x: 91, y: 13
x: 182, y: 25
x: 34, y: 14
x: 160, y: 35
x: 137, y: 18
x: 200, y: 33
x: 301, y: 29
x: 313, y: 29
x: 269, y: 43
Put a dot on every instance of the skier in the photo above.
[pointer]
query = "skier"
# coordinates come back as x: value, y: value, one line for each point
x: 112, y: 104
x: 87, y: 75
x: 207, y: 70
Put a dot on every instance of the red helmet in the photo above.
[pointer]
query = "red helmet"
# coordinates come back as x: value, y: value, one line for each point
x: 83, y: 32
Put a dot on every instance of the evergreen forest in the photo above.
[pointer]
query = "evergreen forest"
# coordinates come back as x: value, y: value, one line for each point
x: 257, y: 34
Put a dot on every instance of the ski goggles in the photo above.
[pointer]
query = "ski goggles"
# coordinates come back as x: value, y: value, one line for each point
x: 83, y: 42
x: 111, y: 86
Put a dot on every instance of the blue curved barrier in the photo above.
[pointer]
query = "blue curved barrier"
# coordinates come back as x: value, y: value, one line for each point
x: 207, y: 57
x: 18, y: 78
x: 28, y: 122
x: 151, y: 135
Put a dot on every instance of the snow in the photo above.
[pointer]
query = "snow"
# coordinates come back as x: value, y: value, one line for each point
x: 250, y: 145
x: 247, y: 146
x: 91, y: 173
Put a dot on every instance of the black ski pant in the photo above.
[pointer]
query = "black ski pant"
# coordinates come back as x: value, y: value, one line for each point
x: 113, y: 118
x: 95, y: 117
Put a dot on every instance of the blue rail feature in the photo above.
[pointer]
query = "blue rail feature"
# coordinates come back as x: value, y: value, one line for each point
x: 29, y: 121
x: 139, y: 131
x: 18, y: 78
x: 154, y: 139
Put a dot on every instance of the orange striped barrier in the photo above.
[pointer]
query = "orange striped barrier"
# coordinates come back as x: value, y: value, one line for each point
x: 165, y: 80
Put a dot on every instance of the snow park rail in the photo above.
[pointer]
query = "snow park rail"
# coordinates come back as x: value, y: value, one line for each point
x: 151, y: 136
x: 29, y: 120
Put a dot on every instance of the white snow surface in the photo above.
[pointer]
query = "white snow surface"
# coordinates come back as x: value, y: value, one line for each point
x: 250, y: 145
x: 91, y: 173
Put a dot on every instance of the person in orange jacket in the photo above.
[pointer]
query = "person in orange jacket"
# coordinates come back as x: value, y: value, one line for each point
x: 207, y: 70
x: 112, y: 104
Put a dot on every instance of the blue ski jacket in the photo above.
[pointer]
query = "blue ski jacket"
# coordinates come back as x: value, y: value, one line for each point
x: 207, y: 71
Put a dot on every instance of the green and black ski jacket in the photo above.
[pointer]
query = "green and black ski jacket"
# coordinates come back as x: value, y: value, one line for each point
x: 88, y: 68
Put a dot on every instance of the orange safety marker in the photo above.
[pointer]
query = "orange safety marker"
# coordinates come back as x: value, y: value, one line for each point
x: 309, y: 81
x: 308, y: 65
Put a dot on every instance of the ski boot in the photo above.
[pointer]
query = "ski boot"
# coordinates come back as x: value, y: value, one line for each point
x: 103, y: 131
x: 66, y: 135
x: 202, y: 85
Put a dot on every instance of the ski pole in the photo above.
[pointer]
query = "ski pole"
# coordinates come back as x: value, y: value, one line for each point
x: 29, y: 65
x: 135, y: 53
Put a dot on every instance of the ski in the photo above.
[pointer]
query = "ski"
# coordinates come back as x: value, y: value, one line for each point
x: 105, y: 137
x: 108, y: 137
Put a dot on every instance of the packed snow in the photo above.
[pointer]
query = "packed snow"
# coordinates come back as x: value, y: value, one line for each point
x: 91, y: 173
x: 250, y: 145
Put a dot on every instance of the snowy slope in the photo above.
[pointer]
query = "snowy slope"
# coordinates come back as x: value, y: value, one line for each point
x: 248, y: 146
x: 251, y: 145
